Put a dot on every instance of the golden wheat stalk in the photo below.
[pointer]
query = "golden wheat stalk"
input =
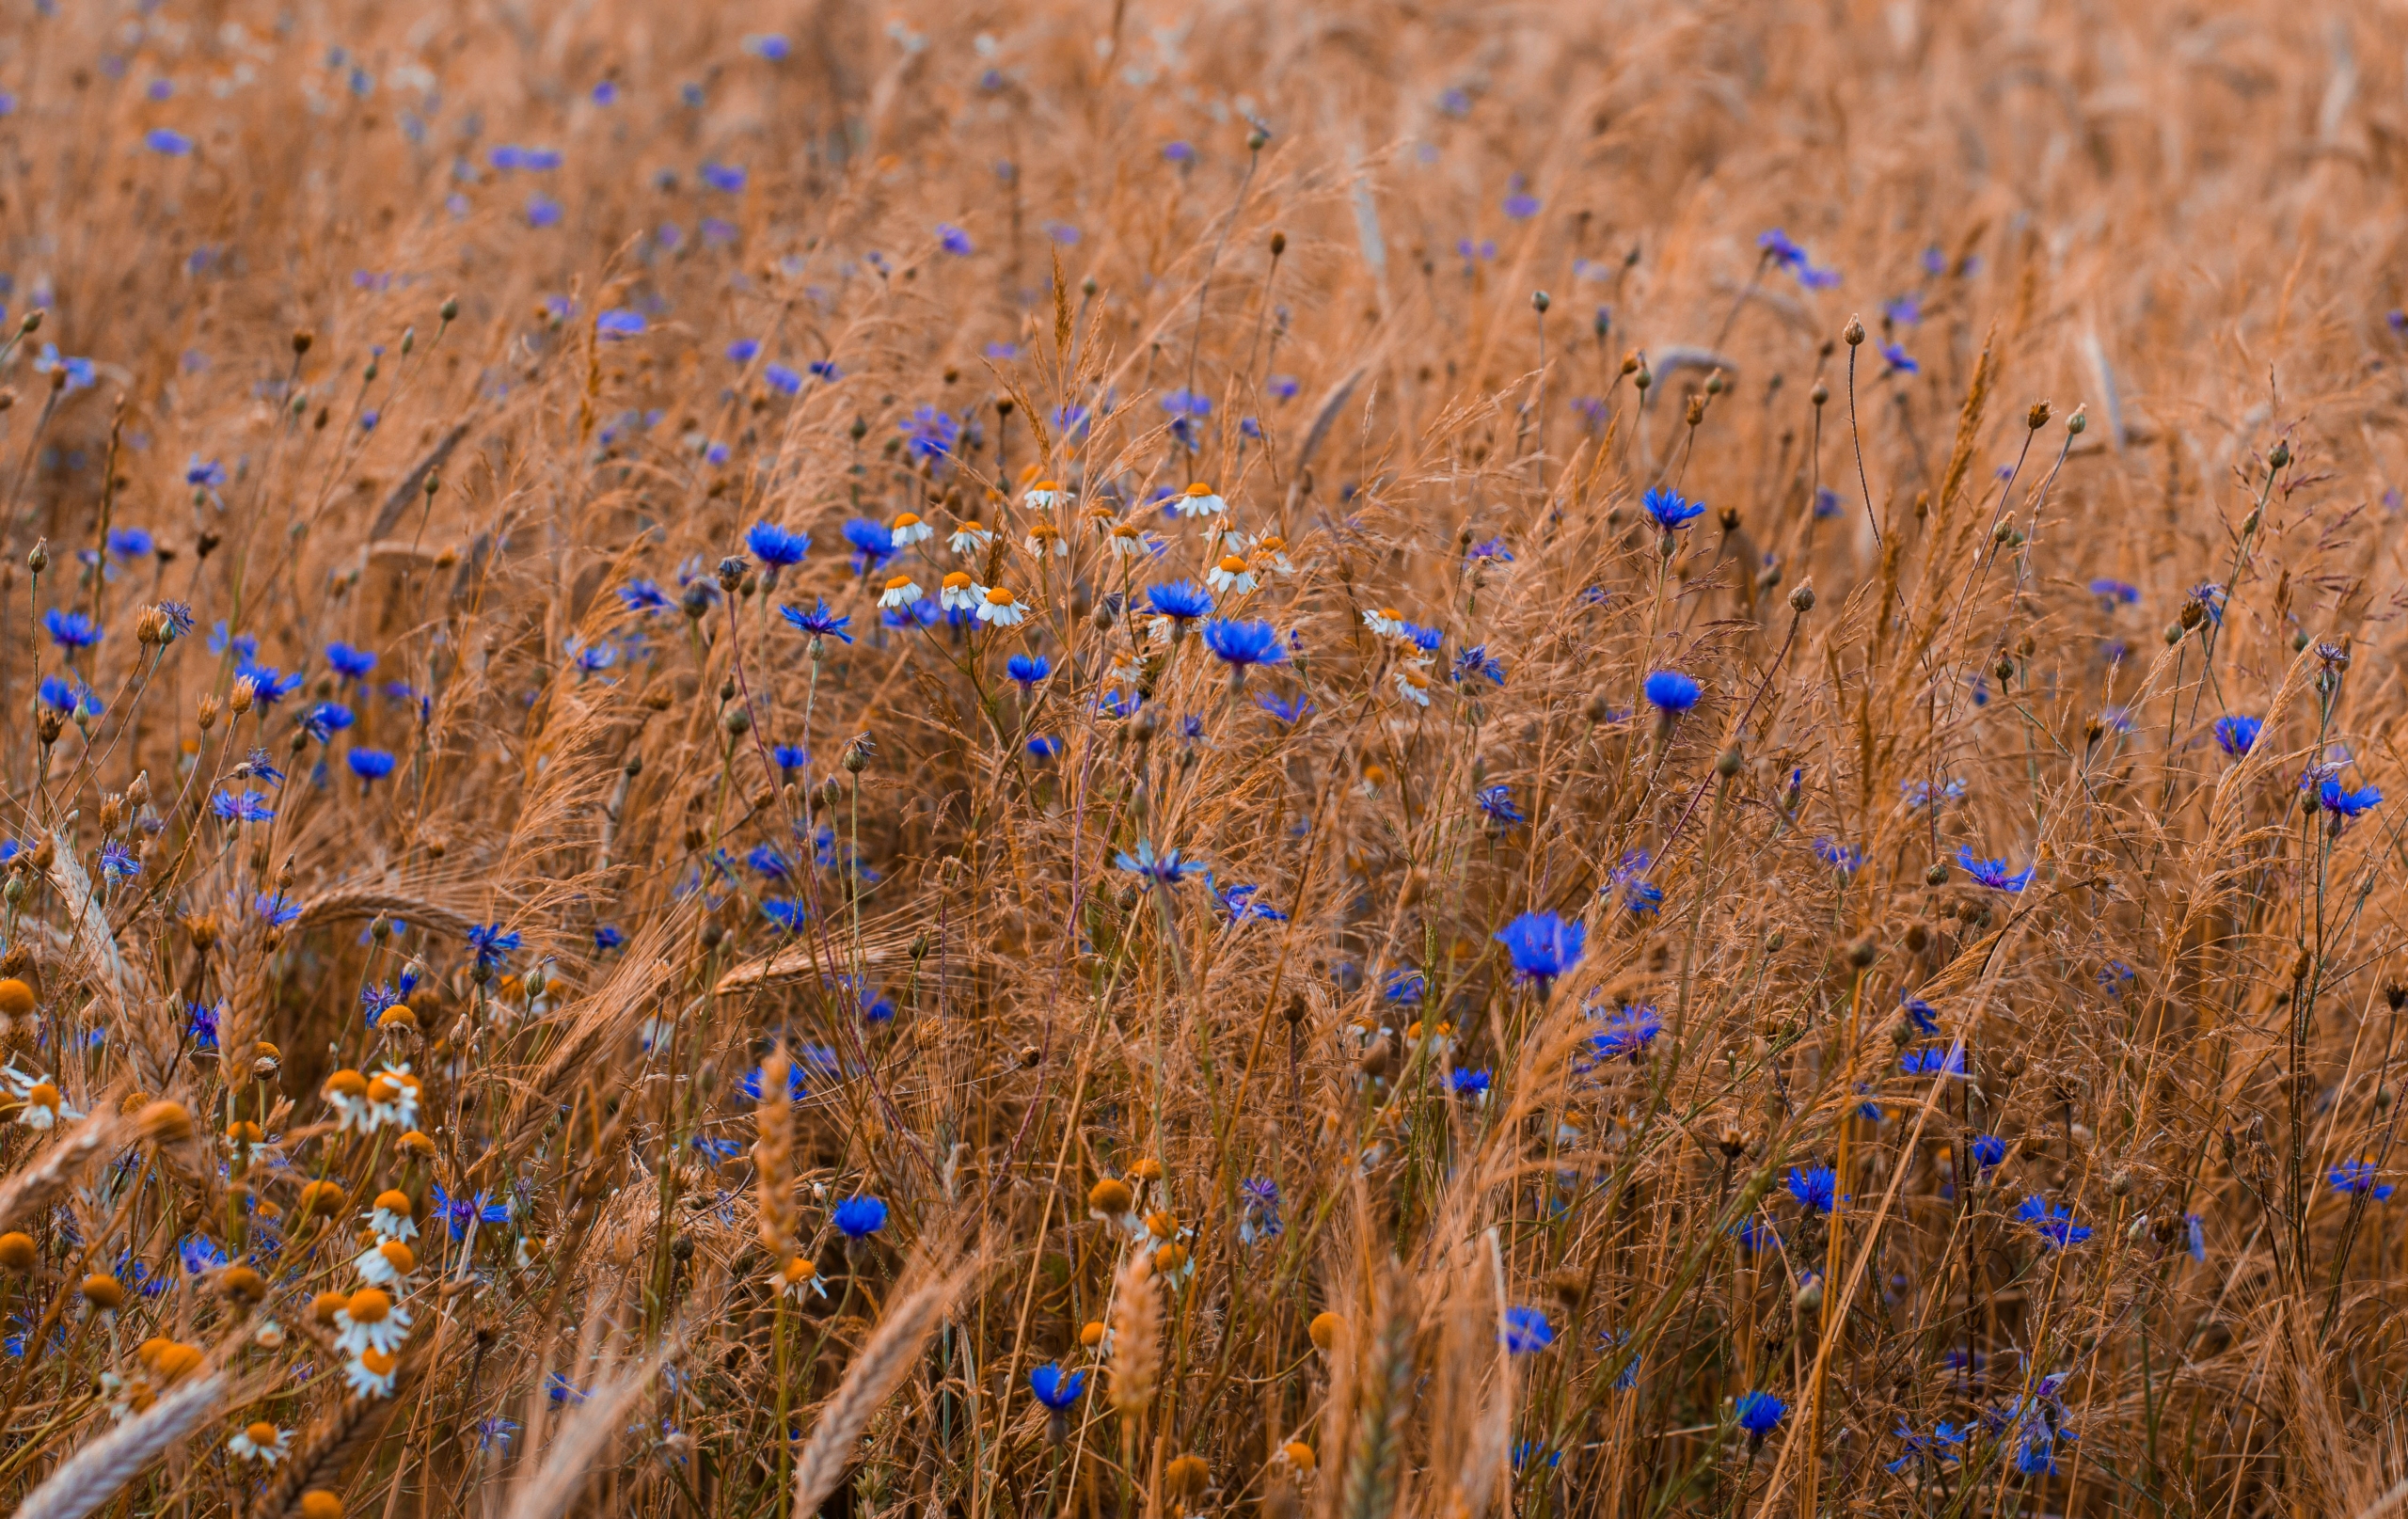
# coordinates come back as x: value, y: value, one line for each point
x: 100, y: 1470
x: 30, y: 1190
x: 889, y: 1356
x: 1136, y: 1335
x: 572, y: 1456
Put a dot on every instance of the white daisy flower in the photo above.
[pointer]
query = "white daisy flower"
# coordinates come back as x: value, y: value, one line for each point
x: 960, y: 592
x: 1387, y: 621
x: 971, y: 537
x: 371, y: 1320
x: 371, y: 1372
x: 901, y: 590
x: 392, y: 1097
x: 1044, y: 495
x: 387, y: 1265
x: 262, y: 1442
x: 1199, y: 500
x: 798, y: 1276
x: 1270, y: 552
x: 44, y: 1105
x: 1413, y: 683
x: 390, y: 1217
x: 1129, y: 540
x: 1044, y: 537
x: 908, y: 529
x: 1231, y: 574
x: 1001, y: 608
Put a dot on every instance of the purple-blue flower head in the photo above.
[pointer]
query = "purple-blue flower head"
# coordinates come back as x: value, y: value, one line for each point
x: 1055, y: 1387
x: 1670, y: 508
x: 1992, y: 873
x: 1759, y: 1413
x: 860, y: 1217
x: 621, y: 323
x: 1527, y: 1331
x: 70, y: 630
x: 774, y: 546
x: 1182, y: 601
x: 1670, y: 692
x: 820, y: 622
x: 1543, y: 946
x: 1240, y: 643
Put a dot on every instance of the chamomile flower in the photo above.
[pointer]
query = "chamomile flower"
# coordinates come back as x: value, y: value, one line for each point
x: 1231, y: 577
x: 908, y: 529
x: 390, y: 1217
x: 43, y: 1105
x: 1044, y: 538
x: 384, y: 1265
x: 798, y: 1276
x: 901, y: 590
x: 1044, y: 495
x: 1387, y: 621
x: 371, y: 1372
x: 392, y: 1097
x: 1129, y: 540
x: 262, y: 1442
x: 960, y: 592
x: 1198, y: 500
x: 969, y: 537
x: 346, y: 1092
x: 1413, y: 683
x: 1001, y: 608
x: 369, y: 1319
x: 1270, y: 552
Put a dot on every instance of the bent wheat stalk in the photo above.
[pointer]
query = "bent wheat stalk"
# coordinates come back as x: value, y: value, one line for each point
x: 883, y: 1362
x: 97, y: 1473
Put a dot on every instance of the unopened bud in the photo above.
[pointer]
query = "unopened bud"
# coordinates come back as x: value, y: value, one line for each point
x: 2077, y: 423
x: 1854, y: 332
x: 2037, y: 417
x: 1802, y: 601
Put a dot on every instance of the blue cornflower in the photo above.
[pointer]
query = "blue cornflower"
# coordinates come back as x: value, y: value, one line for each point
x: 179, y: 618
x: 1935, y: 1062
x: 1783, y: 250
x: 462, y: 1215
x: 860, y: 1217
x: 2115, y: 592
x: 1935, y: 1446
x: 492, y: 944
x: 206, y: 473
x: 1187, y: 404
x: 1756, y: 1234
x: 70, y: 630
x: 753, y: 1079
x: 377, y: 1000
x: 1670, y: 508
x: 873, y: 542
x: 931, y: 435
x: 1182, y: 601
x: 326, y: 718
x: 70, y: 697
x: 2339, y: 800
x: 1240, y: 643
x: 270, y: 685
x: 644, y: 596
x: 2237, y: 735
x: 1843, y: 858
x: 1240, y: 904
x: 1498, y: 802
x: 744, y: 350
x: 789, y: 757
x: 1527, y: 1331
x: 348, y: 663
x: 1628, y: 1034
x: 240, y: 807
x: 1989, y: 1150
x: 1471, y: 1084
x: 1262, y: 1219
x: 1289, y: 710
x: 819, y: 622
x: 1759, y: 1412
x: 200, y: 1022
x: 1476, y: 660
x: 1166, y: 868
x: 278, y: 908
x: 725, y: 178
x: 1543, y: 946
x: 1521, y: 205
x: 953, y: 239
x: 1670, y: 692
x: 1896, y: 358
x: 789, y: 916
x: 167, y: 140
x: 621, y: 323
x: 1056, y: 1387
x: 2359, y: 1178
x: 2056, y: 1225
x: 1641, y: 895
x: 1405, y: 985
x: 1813, y: 1187
x: 1045, y: 745
x: 774, y: 546
x: 131, y: 543
x: 118, y: 861
x: 1921, y: 1012
x: 1992, y: 873
x: 200, y: 1254
x: 1906, y: 309
x: 769, y: 862
x: 784, y: 378
x: 607, y: 938
x: 1027, y: 669
x: 370, y: 765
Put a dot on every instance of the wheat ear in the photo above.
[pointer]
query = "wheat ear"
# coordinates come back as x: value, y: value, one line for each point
x: 883, y: 1362
x: 25, y: 1192
x: 97, y: 1473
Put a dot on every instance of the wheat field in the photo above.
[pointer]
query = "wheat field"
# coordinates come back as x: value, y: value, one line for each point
x: 1131, y: 760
